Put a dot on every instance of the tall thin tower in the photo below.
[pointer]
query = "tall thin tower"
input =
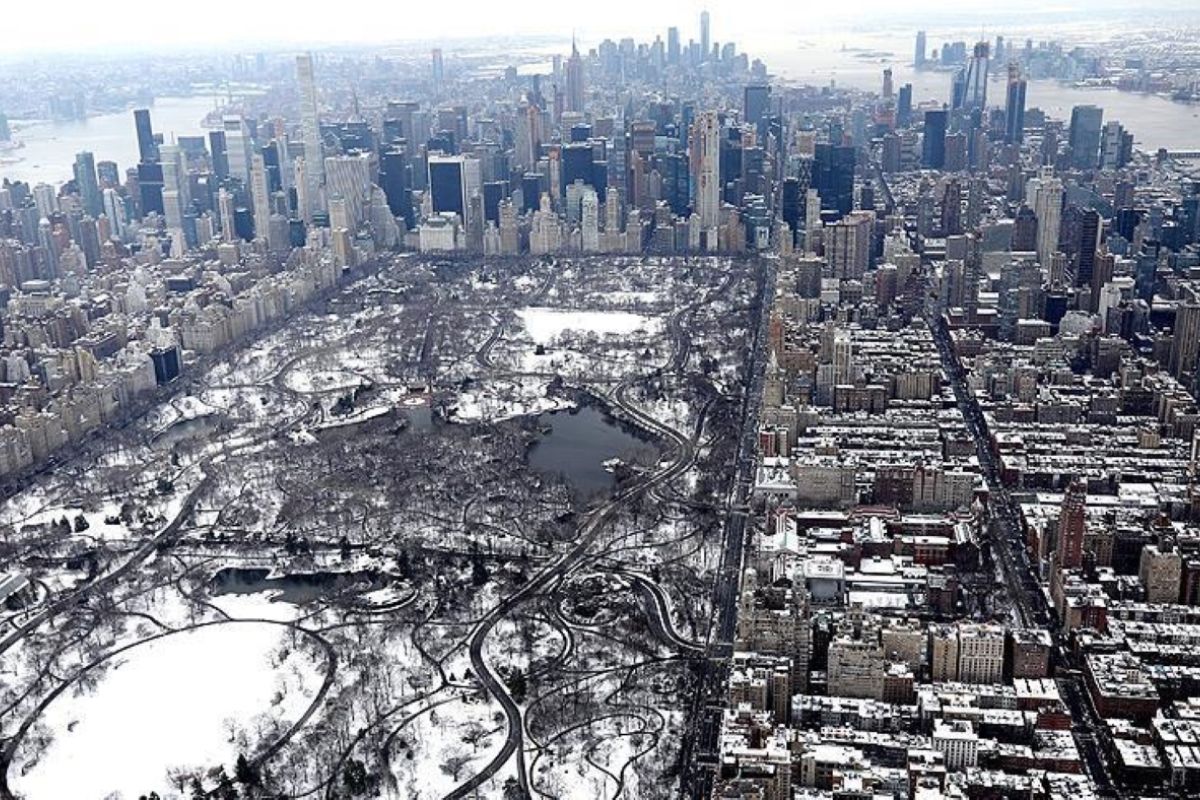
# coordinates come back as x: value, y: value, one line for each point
x: 575, y: 88
x: 708, y: 185
x: 311, y: 130
x: 705, y: 38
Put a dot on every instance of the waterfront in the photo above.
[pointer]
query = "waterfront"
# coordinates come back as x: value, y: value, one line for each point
x: 50, y: 147
x: 819, y: 60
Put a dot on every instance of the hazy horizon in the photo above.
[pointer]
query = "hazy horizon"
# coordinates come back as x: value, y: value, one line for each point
x: 263, y: 28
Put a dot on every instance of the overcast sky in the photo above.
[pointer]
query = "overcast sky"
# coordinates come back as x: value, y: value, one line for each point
x: 89, y: 25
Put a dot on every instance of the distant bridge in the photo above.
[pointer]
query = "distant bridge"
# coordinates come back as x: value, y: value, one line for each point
x: 1184, y: 155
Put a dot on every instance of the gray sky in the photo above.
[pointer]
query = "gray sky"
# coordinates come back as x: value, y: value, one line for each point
x: 72, y: 25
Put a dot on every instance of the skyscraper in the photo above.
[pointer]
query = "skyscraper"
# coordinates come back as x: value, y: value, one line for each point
x: 933, y: 140
x: 919, y: 55
x: 1046, y: 195
x: 147, y: 150
x: 1084, y: 136
x: 707, y: 139
x: 348, y: 178
x: 310, y: 133
x: 575, y: 88
x: 974, y: 95
x: 260, y: 197
x: 1089, y: 243
x: 439, y: 72
x: 756, y: 102
x: 237, y: 147
x: 1116, y: 146
x: 705, y: 41
x: 673, y: 46
x: 904, y: 106
x: 1014, y: 106
x: 447, y: 187
x: 1072, y: 522
x: 833, y: 176
x: 88, y: 184
x: 1185, y: 342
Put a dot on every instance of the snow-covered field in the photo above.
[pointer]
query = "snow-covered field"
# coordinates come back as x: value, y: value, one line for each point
x: 190, y: 700
x: 545, y: 325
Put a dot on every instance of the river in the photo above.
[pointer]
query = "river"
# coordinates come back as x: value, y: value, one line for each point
x: 819, y: 59
x: 50, y: 147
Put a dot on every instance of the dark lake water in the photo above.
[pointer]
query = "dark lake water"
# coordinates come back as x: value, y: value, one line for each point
x: 577, y: 445
x: 293, y: 588
x: 195, y: 427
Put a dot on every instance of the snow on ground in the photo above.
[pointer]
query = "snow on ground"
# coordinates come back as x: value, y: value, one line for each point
x: 255, y: 606
x: 169, y: 703
x: 504, y: 400
x: 544, y: 325
x: 97, y: 526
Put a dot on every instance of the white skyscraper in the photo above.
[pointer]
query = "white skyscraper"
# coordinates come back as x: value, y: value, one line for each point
x: 1045, y: 194
x: 349, y: 178
x: 237, y: 148
x: 260, y: 197
x: 175, y: 189
x: 114, y: 209
x: 225, y: 210
x: 708, y: 184
x: 590, y: 220
x: 311, y: 132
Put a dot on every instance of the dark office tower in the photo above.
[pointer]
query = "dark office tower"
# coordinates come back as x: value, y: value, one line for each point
x: 756, y: 102
x: 790, y: 202
x: 243, y: 224
x: 493, y: 193
x: 1014, y: 106
x: 673, y: 46
x: 147, y: 149
x: 150, y: 185
x: 531, y: 191
x: 705, y: 40
x: 447, y: 185
x: 904, y: 106
x: 891, y: 152
x: 1024, y: 234
x: 270, y: 156
x: 933, y: 140
x: 581, y: 133
x: 919, y: 55
x: 676, y: 181
x: 1089, y: 242
x: 952, y: 209
x: 87, y: 183
x: 833, y: 177
x: 576, y: 165
x: 220, y: 160
x: 108, y: 174
x: 1086, y: 122
x: 393, y: 179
